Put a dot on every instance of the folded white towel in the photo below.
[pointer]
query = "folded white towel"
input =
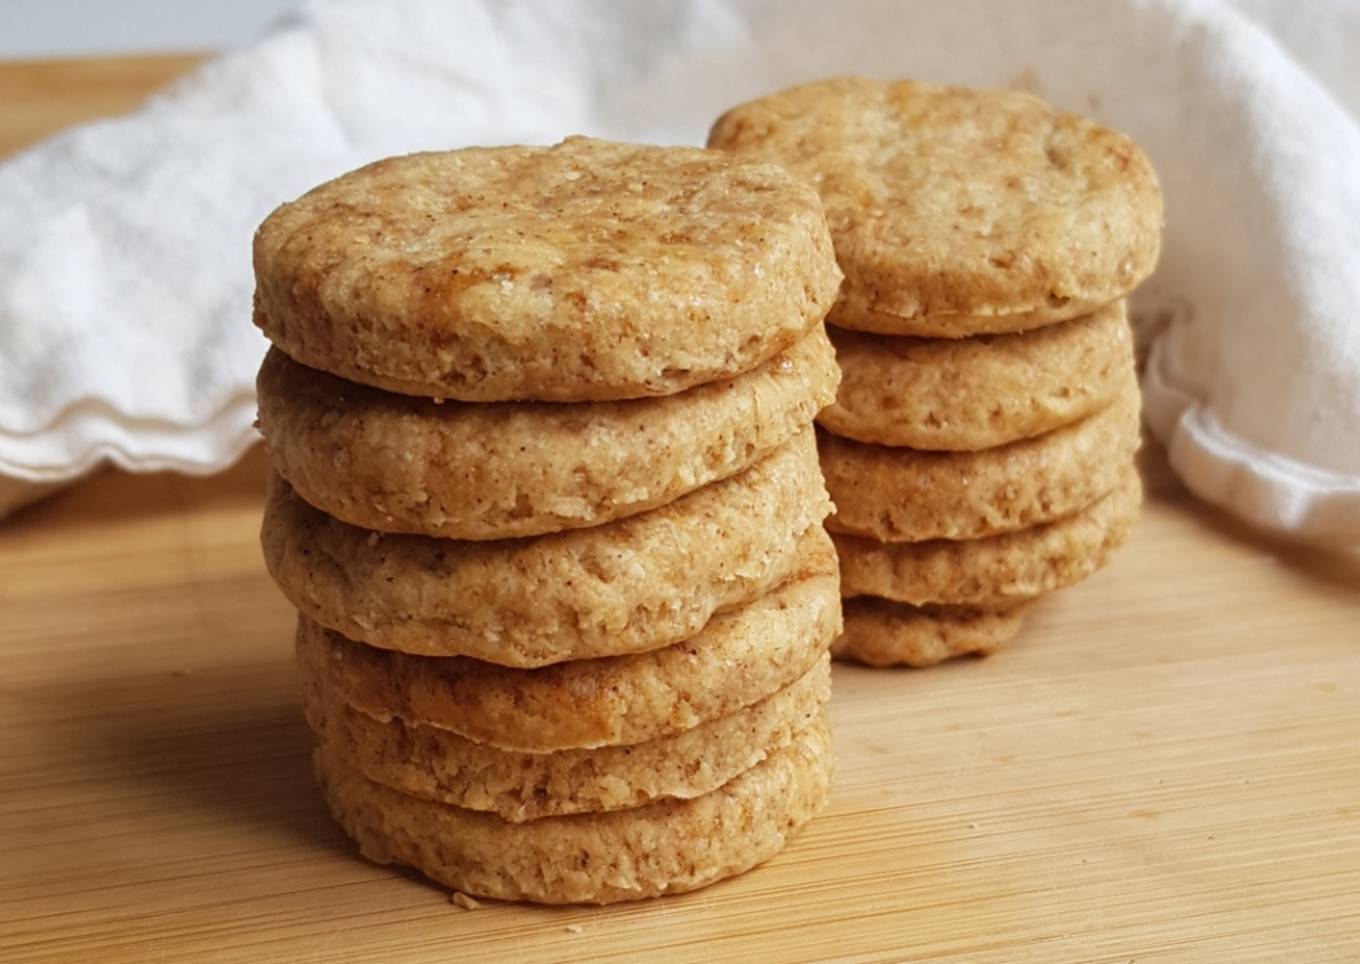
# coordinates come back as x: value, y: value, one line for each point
x: 124, y: 245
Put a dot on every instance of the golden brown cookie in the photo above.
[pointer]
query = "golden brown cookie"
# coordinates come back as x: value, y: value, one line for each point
x: 739, y: 658
x: 587, y: 270
x: 903, y: 495
x: 966, y: 394
x: 880, y: 632
x: 997, y: 572
x: 958, y: 211
x: 666, y: 847
x: 628, y: 586
x: 438, y: 765
x: 473, y: 471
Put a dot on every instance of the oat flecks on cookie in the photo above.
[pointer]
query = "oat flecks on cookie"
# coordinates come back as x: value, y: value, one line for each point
x: 957, y: 211
x: 587, y: 270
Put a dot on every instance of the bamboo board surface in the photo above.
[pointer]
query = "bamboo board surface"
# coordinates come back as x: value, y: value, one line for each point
x: 1165, y: 767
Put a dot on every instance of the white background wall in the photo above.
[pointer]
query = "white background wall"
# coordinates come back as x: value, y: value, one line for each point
x: 63, y: 28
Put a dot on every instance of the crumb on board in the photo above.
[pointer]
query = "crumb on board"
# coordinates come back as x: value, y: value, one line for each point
x: 574, y: 928
x: 182, y: 672
x: 464, y: 901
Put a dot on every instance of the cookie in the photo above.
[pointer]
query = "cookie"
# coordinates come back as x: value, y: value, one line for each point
x: 904, y: 495
x: 587, y: 270
x: 997, y: 572
x: 955, y: 211
x: 880, y: 632
x: 739, y: 658
x: 666, y: 847
x: 631, y: 585
x: 966, y: 394
x: 470, y: 471
x: 438, y: 765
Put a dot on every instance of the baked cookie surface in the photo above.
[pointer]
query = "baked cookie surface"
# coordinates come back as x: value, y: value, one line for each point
x: 881, y: 632
x: 905, y: 495
x: 957, y: 211
x: 966, y: 394
x: 667, y: 847
x: 739, y: 658
x: 631, y: 585
x: 996, y: 572
x: 586, y: 270
x: 491, y: 471
x: 436, y: 764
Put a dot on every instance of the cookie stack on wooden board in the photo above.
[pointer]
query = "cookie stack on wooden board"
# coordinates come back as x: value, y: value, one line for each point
x: 980, y: 452
x: 548, y: 503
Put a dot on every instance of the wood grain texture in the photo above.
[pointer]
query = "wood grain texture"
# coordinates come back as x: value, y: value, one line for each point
x: 1163, y: 768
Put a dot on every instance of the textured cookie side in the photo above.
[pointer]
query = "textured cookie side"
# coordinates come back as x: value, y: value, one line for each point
x: 905, y: 495
x: 435, y: 764
x: 957, y: 211
x: 470, y: 471
x: 880, y: 632
x: 739, y: 658
x: 667, y: 847
x: 630, y: 585
x: 997, y: 572
x: 968, y: 394
x: 587, y: 270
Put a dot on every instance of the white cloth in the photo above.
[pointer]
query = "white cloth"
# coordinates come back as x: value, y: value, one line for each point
x: 124, y: 246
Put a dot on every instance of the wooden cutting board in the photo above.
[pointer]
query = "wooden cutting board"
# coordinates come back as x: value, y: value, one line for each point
x: 1165, y: 767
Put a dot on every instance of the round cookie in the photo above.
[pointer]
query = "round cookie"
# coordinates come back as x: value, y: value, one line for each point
x: 966, y: 394
x: 903, y: 495
x: 880, y: 632
x: 666, y: 847
x: 586, y: 270
x: 438, y: 765
x: 739, y: 658
x: 471, y: 471
x: 956, y: 211
x: 630, y: 585
x: 998, y: 572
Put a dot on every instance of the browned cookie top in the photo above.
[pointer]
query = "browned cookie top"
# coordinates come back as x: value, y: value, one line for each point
x: 586, y: 270
x: 957, y: 211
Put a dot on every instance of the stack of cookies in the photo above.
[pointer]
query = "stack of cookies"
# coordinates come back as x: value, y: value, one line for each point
x: 980, y: 452
x: 547, y: 499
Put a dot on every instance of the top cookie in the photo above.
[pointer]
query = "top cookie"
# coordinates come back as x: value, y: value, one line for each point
x: 584, y: 271
x: 956, y: 211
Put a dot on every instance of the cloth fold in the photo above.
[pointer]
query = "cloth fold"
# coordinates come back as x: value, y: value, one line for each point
x: 124, y: 245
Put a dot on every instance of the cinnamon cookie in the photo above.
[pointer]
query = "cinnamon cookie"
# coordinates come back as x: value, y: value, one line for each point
x: 880, y: 632
x: 997, y: 572
x: 904, y: 495
x: 484, y: 471
x: 627, y: 586
x: 586, y: 270
x: 436, y: 764
x: 666, y: 847
x: 958, y: 211
x: 738, y: 659
x: 966, y: 394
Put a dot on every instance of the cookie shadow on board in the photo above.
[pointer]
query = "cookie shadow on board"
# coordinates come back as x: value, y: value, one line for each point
x: 218, y: 742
